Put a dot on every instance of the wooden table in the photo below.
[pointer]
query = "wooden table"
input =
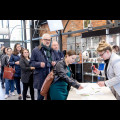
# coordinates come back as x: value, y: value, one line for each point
x: 107, y: 94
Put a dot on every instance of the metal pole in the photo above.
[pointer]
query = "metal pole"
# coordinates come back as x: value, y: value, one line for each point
x: 80, y: 31
x: 82, y: 60
x: 24, y: 24
x: 107, y: 35
x: 60, y: 39
x: 2, y: 27
x: 31, y: 26
x: 66, y: 26
x: 22, y: 32
x: 8, y: 29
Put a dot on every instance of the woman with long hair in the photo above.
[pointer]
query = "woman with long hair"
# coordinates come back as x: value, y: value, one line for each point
x: 26, y: 74
x: 14, y: 62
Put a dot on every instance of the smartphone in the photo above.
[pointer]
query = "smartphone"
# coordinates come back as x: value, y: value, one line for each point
x: 93, y: 67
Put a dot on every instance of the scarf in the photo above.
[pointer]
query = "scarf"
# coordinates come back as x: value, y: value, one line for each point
x: 48, y: 54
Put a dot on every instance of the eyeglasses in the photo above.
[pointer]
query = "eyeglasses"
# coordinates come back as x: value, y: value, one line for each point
x: 102, y: 54
x: 47, y: 40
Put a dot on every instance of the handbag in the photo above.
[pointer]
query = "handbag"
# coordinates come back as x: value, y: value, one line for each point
x: 8, y: 72
x: 46, y: 85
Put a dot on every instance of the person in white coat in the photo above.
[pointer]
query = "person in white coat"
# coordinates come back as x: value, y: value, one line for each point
x: 111, y: 70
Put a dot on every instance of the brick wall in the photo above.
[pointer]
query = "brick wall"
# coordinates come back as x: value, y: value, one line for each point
x: 73, y: 25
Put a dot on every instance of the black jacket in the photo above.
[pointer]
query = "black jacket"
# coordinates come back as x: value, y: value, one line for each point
x: 59, y: 55
x: 26, y: 72
x: 60, y: 72
x: 4, y: 60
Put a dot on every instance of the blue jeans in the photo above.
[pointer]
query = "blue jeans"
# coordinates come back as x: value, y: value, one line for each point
x: 40, y: 97
x: 17, y: 81
x: 9, y: 84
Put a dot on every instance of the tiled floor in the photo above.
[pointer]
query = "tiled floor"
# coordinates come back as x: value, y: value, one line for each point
x: 2, y: 94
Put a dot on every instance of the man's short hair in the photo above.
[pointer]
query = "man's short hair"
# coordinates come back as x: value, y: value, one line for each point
x: 45, y: 35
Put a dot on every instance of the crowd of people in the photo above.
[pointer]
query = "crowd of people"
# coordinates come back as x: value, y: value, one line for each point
x: 32, y: 71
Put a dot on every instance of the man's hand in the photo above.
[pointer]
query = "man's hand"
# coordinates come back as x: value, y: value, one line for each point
x: 53, y: 63
x: 32, y: 68
x: 42, y: 64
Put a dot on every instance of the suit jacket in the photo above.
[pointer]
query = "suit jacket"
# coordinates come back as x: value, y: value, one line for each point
x: 26, y: 72
x: 59, y: 55
x: 113, y: 73
x: 40, y: 73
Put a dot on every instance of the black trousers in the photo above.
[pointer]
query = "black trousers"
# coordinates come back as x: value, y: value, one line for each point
x: 2, y: 71
x: 25, y: 88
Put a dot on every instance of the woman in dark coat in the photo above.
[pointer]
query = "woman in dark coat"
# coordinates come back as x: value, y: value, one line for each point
x: 26, y: 74
x: 14, y: 62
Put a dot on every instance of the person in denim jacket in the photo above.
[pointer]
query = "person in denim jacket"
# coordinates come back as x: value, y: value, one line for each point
x: 14, y: 62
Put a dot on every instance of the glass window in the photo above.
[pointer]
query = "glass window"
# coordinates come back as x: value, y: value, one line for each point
x: 86, y: 23
x: 29, y: 47
x: 0, y: 23
x: 27, y: 29
x: 114, y: 39
x: 15, y: 30
x: 5, y: 23
x: 12, y: 45
x: 1, y: 36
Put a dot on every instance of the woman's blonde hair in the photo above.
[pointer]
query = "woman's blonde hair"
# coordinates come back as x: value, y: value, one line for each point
x: 103, y: 46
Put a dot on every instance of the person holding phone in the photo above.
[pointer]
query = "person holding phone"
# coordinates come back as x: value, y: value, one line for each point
x: 111, y: 70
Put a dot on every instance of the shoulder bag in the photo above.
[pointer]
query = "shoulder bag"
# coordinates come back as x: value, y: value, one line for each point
x: 8, y: 72
x: 46, y: 85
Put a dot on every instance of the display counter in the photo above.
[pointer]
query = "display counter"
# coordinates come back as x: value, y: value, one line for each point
x: 91, y: 91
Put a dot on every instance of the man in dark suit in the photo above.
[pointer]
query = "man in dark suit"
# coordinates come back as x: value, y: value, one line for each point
x: 55, y: 47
